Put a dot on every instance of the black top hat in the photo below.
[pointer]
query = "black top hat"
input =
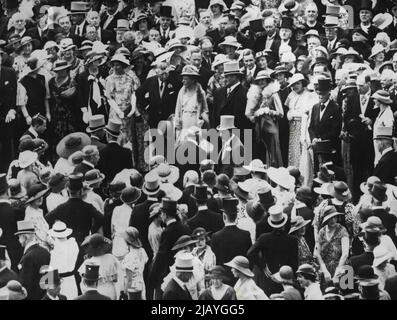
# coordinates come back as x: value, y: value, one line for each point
x: 75, y: 182
x: 166, y: 11
x: 230, y: 205
x: 168, y: 206
x: 324, y: 85
x: 266, y: 197
x: 3, y: 183
x: 366, y: 273
x: 287, y: 23
x: 91, y: 272
x: 324, y: 147
x: 3, y: 252
x: 378, y: 191
x: 200, y: 193
x: 11, y: 4
x: 366, y: 5
x: 256, y: 25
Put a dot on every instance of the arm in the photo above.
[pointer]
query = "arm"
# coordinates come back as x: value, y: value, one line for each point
x: 98, y: 219
x: 254, y: 251
x: 178, y: 111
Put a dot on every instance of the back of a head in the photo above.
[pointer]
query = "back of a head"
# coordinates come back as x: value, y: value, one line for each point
x: 136, y: 179
x: 190, y: 177
x: 209, y: 178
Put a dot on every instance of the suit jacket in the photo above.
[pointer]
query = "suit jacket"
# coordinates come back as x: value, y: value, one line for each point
x: 158, y: 108
x: 38, y: 40
x: 3, y: 26
x: 391, y: 287
x: 173, y: 291
x: 33, y: 259
x: 329, y: 127
x: 274, y: 249
x: 372, y: 32
x: 209, y: 220
x: 386, y: 168
x: 60, y: 296
x: 92, y: 295
x: 96, y: 142
x: 205, y: 75
x: 366, y: 258
x: 208, y: 64
x: 140, y: 220
x: 229, y: 243
x: 164, y: 257
x: 73, y: 31
x: 7, y: 275
x: 113, y: 159
x: 388, y: 220
x: 78, y: 215
x: 8, y: 89
x: 107, y: 36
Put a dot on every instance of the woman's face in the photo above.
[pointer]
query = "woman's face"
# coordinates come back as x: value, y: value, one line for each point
x: 236, y: 273
x: 217, y: 283
x: 216, y: 9
x: 262, y: 63
x: 118, y: 67
x: 299, y: 65
x: 201, y: 242
x: 143, y: 26
x: 229, y: 50
x: 68, y: 54
x: 332, y: 222
x: 262, y: 83
x: 52, y: 52
x: 27, y: 49
x: 298, y: 87
x: 220, y: 69
x: 380, y: 57
x: 188, y: 81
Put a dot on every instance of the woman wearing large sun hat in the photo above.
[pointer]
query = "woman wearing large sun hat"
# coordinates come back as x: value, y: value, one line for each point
x: 382, y: 266
x: 64, y: 256
x: 29, y: 174
x: 284, y: 191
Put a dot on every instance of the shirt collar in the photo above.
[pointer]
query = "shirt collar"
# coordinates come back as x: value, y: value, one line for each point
x: 230, y: 224
x: 3, y: 268
x: 179, y: 282
x: 88, y: 164
x: 52, y: 298
x: 234, y: 86
x: 202, y: 207
x: 170, y: 221
x: 386, y: 150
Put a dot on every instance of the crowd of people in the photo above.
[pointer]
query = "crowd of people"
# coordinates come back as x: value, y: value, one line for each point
x: 103, y: 101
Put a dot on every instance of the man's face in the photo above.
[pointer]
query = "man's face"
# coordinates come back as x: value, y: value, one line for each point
x: 91, y: 33
x: 65, y: 24
x: 207, y: 49
x: 330, y: 33
x: 77, y: 19
x: 119, y: 36
x: 165, y: 22
x: 41, y: 128
x: 323, y: 96
x: 205, y: 19
x: 249, y: 61
x: 362, y: 88
x: 318, y: 69
x: 365, y: 16
x: 19, y: 23
x: 302, y: 281
x: 22, y: 240
x: 154, y: 35
x: 94, y: 20
x: 112, y: 9
x: 223, y: 23
x: 55, y: 291
x: 285, y: 34
x: 162, y: 72
x: 312, y: 43
x: 270, y: 26
x: 311, y: 14
x: 230, y: 80
x: 196, y: 59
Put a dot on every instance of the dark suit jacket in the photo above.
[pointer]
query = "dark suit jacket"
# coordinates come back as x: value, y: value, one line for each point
x: 60, y: 296
x: 78, y: 215
x: 329, y: 127
x: 3, y: 26
x: 113, y: 159
x: 173, y: 291
x: 372, y: 32
x: 274, y: 249
x: 96, y: 142
x: 205, y: 75
x: 209, y: 220
x: 229, y: 243
x: 8, y: 89
x: 386, y: 169
x: 391, y: 287
x: 107, y: 36
x: 32, y: 260
x: 7, y: 275
x: 38, y: 40
x: 388, y: 220
x: 366, y: 258
x: 164, y: 257
x: 140, y: 220
x: 92, y: 295
x: 158, y: 108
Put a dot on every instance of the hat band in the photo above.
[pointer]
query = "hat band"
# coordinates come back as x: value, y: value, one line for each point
x: 27, y: 230
x: 112, y: 132
x: 277, y: 222
x: 152, y: 190
x: 60, y: 230
x: 184, y: 268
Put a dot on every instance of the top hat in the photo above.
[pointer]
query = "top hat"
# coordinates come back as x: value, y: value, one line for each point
x: 256, y: 25
x: 52, y: 279
x: 277, y: 218
x: 229, y: 205
x: 75, y: 182
x: 366, y: 273
x: 332, y: 10
x: 3, y: 183
x: 184, y: 262
x: 366, y: 5
x: 287, y: 23
x: 226, y: 123
x: 79, y: 7
x: 91, y: 272
x: 166, y: 11
x: 231, y: 67
x: 168, y: 206
x: 25, y: 227
x: 324, y: 85
x: 71, y: 143
x: 378, y: 191
x: 113, y: 127
x: 11, y: 4
x: 200, y: 193
x: 331, y: 22
x: 151, y: 185
x: 95, y: 123
x: 130, y: 195
x: 266, y: 197
x: 241, y: 264
x: 122, y: 25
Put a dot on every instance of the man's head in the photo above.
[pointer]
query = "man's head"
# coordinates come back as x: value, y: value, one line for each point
x: 363, y: 84
x: 323, y: 90
x: 91, y: 33
x: 93, y: 19
x: 18, y: 21
x: 26, y: 238
x: 91, y: 154
x: 270, y: 26
x: 312, y: 43
x: 285, y: 34
x: 111, y: 7
x: 154, y: 35
x: 195, y: 58
x: 207, y: 48
x: 205, y: 18
x: 65, y: 24
x: 248, y: 59
x: 223, y: 23
x: 77, y: 18
x: 39, y: 124
x: 231, y: 79
x: 165, y: 22
x: 311, y: 12
x: 366, y: 16
x: 331, y: 33
x: 383, y: 144
x: 128, y: 39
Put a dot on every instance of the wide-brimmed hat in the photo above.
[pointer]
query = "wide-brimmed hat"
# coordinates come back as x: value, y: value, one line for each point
x: 113, y: 127
x: 97, y: 245
x: 93, y: 176
x: 174, y: 44
x: 381, y: 254
x: 32, y: 65
x: 256, y: 165
x: 324, y: 175
x: 116, y: 187
x: 71, y: 143
x: 166, y: 173
x: 382, y: 20
x: 226, y: 123
x: 35, y: 192
x: 285, y: 275
x: 277, y: 218
x: 266, y: 198
x: 60, y: 65
x: 218, y: 272
x: 120, y: 58
x: 184, y: 262
x: 200, y: 232
x: 230, y: 41
x: 281, y: 69
x: 243, y: 191
x: 16, y: 291
x: 190, y: 71
x: 219, y: 59
x: 263, y: 74
x: 122, y: 25
x: 366, y: 186
x: 27, y: 158
x: 241, y: 264
x: 60, y: 230
x: 339, y: 190
x: 171, y: 191
x: 91, y: 272
x: 376, y: 49
x: 66, y: 44
x: 298, y: 223
x: 378, y: 191
x: 183, y: 241
x: 130, y: 195
x: 151, y: 185
x: 330, y: 212
x: 25, y: 227
x: 281, y: 177
x: 296, y: 78
x: 95, y: 123
x: 306, y: 269
x: 222, y: 183
x: 383, y: 96
x: 15, y: 189
x: 373, y: 224
x: 25, y: 40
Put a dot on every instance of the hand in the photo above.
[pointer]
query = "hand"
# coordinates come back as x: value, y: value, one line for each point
x: 367, y: 121
x: 121, y: 114
x: 86, y: 117
x: 28, y: 120
x: 315, y: 140
x: 327, y: 276
x: 48, y: 116
x: 10, y: 116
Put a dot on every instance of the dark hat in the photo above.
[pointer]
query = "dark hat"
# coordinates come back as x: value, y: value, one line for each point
x: 182, y: 242
x: 116, y: 186
x: 93, y: 176
x: 330, y: 212
x: 254, y: 209
x: 323, y: 147
x: 130, y: 195
x: 11, y: 4
x: 57, y: 182
x: 304, y: 194
x: 266, y: 197
x: 71, y: 143
x: 281, y: 69
x: 366, y: 5
x: 200, y: 192
x: 339, y: 190
x: 370, y: 290
x: 242, y: 191
x: 229, y: 205
x: 200, y: 232
x: 35, y: 192
x: 3, y: 183
x: 111, y: 2
x: 306, y: 269
x: 378, y: 191
x: 365, y: 273
x: 218, y: 272
x: 287, y: 23
x: 16, y: 191
x: 256, y: 25
x: 98, y: 245
x: 166, y: 11
x: 324, y: 84
x: 91, y: 272
x: 75, y: 182
x: 3, y: 252
x: 168, y: 206
x: 222, y: 183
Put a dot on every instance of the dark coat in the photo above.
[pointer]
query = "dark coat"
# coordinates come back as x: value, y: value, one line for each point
x: 173, y: 291
x: 77, y: 215
x: 274, y: 250
x: 209, y: 220
x: 388, y: 220
x: 33, y: 259
x: 60, y: 296
x: 205, y: 75
x: 113, y: 159
x: 107, y: 36
x: 82, y: 168
x: 96, y: 142
x: 38, y: 40
x: 386, y: 169
x: 229, y: 243
x: 8, y: 87
x: 329, y: 127
x: 92, y: 295
x: 372, y: 32
x: 158, y: 108
x: 391, y: 287
x: 7, y: 275
x: 366, y: 258
x: 164, y: 257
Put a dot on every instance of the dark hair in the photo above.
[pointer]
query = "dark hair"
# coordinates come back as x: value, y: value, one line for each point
x: 37, y: 121
x: 231, y: 216
x: 90, y: 283
x: 209, y: 177
x: 309, y: 277
x: 136, y: 180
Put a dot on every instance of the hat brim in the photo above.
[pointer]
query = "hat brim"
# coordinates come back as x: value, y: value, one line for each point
x: 133, y: 200
x: 219, y: 128
x: 64, y: 234
x: 89, y: 130
x: 242, y: 195
x: 37, y: 196
x: 332, y: 192
x: 61, y: 68
x: 185, y: 244
x: 244, y: 271
x: 275, y: 73
x: 172, y: 178
x: 305, y: 82
x: 151, y: 192
x: 325, y: 219
x: 278, y: 225
x: 281, y: 280
x: 235, y: 73
x: 90, y: 183
x: 66, y: 153
x: 300, y: 226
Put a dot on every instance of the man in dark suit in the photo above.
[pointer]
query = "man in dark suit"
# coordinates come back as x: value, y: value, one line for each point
x: 326, y: 118
x: 5, y: 273
x: 53, y: 285
x: 96, y: 126
x: 274, y: 250
x: 205, y: 218
x: 250, y: 69
x: 113, y: 157
x: 79, y: 215
x: 158, y: 94
x: 33, y: 259
x: 196, y: 59
x: 365, y: 16
x: 90, y: 284
x: 10, y: 7
x: 111, y: 15
x: 286, y: 35
x: 164, y: 257
x: 165, y: 24
x: 70, y: 31
x: 103, y: 35
x: 230, y: 241
x: 386, y: 169
x: 391, y: 287
x: 370, y: 241
x: 312, y: 21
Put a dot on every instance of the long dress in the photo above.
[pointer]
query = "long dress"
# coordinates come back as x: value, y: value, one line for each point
x: 134, y: 264
x: 119, y: 223
x: 61, y: 109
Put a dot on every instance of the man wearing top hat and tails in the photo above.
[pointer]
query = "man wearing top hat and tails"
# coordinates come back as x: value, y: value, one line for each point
x: 386, y: 169
x: 5, y: 273
x: 52, y: 283
x: 326, y: 119
x: 166, y: 24
x: 34, y: 257
x: 89, y: 284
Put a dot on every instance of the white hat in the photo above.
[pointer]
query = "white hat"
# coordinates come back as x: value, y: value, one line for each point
x: 281, y: 177
x: 26, y: 158
x: 277, y: 218
x: 66, y: 44
x: 256, y: 165
x: 59, y: 230
x: 120, y: 58
x: 184, y: 262
x: 381, y: 254
x: 295, y: 78
x: 288, y: 57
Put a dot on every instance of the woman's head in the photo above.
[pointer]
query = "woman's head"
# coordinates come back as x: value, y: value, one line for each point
x: 216, y: 9
x: 189, y: 81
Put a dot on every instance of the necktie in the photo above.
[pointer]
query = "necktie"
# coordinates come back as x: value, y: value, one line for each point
x: 322, y: 106
x: 96, y: 93
x: 161, y: 88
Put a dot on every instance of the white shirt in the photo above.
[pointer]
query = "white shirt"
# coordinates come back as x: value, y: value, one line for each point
x: 227, y: 147
x: 230, y: 90
x: 269, y: 41
x: 331, y: 44
x: 64, y: 255
x: 161, y: 90
x: 54, y: 200
x: 322, y: 111
x: 365, y: 28
x: 364, y: 98
x: 251, y: 72
x: 80, y: 29
x: 386, y: 151
x: 313, y: 292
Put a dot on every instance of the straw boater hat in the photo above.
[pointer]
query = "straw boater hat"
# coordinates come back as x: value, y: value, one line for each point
x: 298, y: 223
x: 183, y: 241
x: 241, y: 264
x: 25, y: 227
x: 339, y: 190
x: 330, y: 212
x: 266, y: 198
x: 60, y: 230
x: 71, y: 143
x: 27, y: 158
x: 36, y: 192
x: 277, y: 218
x: 281, y: 177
